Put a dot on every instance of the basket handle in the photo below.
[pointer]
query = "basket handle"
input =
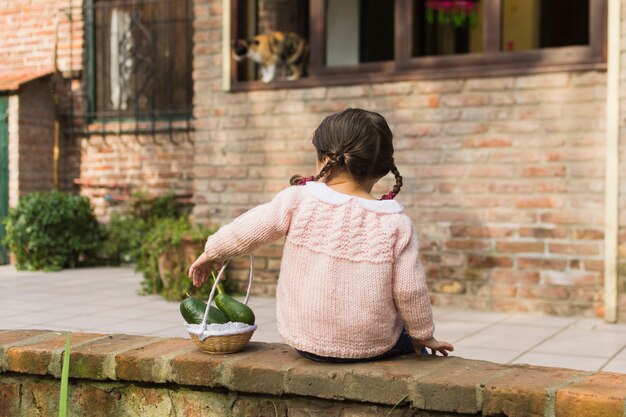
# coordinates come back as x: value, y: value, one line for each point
x: 217, y: 280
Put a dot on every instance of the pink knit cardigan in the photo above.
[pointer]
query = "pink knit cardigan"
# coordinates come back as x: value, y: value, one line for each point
x: 350, y: 277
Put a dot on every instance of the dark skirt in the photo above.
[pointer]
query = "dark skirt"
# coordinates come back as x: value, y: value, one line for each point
x: 403, y: 346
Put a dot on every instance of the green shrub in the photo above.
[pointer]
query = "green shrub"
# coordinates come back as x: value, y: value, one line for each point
x: 124, y: 235
x: 126, y: 231
x: 167, y: 252
x: 50, y: 231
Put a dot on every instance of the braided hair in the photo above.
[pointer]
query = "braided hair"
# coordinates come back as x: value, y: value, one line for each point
x: 358, y: 142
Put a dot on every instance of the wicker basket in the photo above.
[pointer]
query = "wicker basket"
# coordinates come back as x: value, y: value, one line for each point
x: 217, y: 345
x: 224, y: 343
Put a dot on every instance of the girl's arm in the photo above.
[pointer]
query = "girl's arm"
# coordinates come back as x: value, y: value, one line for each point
x: 256, y: 227
x: 410, y: 292
x: 411, y: 297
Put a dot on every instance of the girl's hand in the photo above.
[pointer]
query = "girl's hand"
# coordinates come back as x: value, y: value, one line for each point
x: 434, y: 345
x: 201, y: 269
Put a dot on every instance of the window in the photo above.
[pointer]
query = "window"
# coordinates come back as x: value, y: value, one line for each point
x: 139, y: 59
x: 357, y: 40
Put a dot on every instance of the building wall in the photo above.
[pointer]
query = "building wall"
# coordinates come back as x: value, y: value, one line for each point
x: 156, y: 165
x: 27, y: 34
x: 503, y: 176
x: 14, y: 177
x: 621, y: 284
x: 35, y: 137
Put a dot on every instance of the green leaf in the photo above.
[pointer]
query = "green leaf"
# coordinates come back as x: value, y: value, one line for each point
x: 65, y: 373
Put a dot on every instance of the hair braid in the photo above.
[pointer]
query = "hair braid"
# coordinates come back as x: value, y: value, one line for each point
x: 326, y: 169
x: 398, y: 185
x: 396, y: 188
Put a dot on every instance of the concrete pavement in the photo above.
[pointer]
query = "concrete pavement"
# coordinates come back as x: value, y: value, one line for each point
x: 107, y: 300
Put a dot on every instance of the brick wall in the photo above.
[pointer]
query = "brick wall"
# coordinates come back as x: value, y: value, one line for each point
x: 35, y: 137
x: 121, y: 375
x: 503, y: 177
x: 27, y: 34
x: 157, y: 165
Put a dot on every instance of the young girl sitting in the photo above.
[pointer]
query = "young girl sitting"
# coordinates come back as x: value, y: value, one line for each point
x: 351, y: 286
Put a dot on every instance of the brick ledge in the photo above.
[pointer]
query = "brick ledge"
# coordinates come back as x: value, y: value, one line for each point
x: 452, y: 385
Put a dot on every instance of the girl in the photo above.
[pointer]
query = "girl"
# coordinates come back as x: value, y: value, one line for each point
x: 351, y: 285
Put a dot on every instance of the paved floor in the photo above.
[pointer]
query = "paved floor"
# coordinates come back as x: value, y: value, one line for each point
x: 106, y: 300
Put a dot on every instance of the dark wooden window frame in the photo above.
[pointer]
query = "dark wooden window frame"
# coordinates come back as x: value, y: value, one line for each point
x: 491, y: 62
x: 129, y: 123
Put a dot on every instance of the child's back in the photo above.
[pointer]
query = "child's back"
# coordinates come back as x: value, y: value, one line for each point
x: 350, y: 280
x: 344, y: 261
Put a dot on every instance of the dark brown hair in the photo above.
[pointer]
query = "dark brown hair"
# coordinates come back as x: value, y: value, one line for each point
x: 358, y: 142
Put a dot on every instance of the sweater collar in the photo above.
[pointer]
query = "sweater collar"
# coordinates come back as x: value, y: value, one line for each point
x: 326, y: 194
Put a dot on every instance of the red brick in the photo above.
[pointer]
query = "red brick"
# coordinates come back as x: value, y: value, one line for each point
x: 262, y: 369
x: 447, y: 86
x: 478, y: 261
x: 515, y: 126
x: 543, y: 171
x: 513, y: 276
x: 521, y: 391
x: 541, y: 263
x: 465, y: 128
x: 93, y: 360
x: 498, y: 171
x: 9, y: 337
x: 516, y: 247
x: 542, y: 81
x: 543, y: 291
x: 511, y: 188
x: 511, y: 216
x: 599, y: 395
x: 453, y: 387
x: 569, y: 278
x: 199, y: 368
x: 465, y: 100
x: 151, y: 362
x: 539, y: 202
x: 480, y: 231
x: 594, y: 265
x: 574, y: 248
x: 565, y: 217
x: 588, y: 234
x: 487, y: 84
x: 488, y: 142
x: 543, y: 233
x: 9, y: 397
x: 35, y: 358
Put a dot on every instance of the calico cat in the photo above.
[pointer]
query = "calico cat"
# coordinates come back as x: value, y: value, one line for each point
x: 274, y: 49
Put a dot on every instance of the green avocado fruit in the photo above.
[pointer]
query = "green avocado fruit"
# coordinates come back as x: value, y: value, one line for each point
x: 193, y: 309
x: 234, y: 310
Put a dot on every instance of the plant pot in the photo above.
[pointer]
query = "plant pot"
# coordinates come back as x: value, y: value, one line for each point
x: 175, y: 261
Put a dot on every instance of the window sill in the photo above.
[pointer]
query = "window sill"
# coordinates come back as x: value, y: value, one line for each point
x: 450, y: 67
x: 109, y: 126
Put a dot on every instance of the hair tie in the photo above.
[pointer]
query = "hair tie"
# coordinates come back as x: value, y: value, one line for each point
x: 303, y: 181
x: 389, y: 196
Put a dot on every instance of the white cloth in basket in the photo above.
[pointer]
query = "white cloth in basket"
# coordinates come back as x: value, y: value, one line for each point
x: 217, y: 329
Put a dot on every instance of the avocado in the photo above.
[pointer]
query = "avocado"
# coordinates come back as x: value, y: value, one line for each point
x: 193, y: 309
x: 234, y: 310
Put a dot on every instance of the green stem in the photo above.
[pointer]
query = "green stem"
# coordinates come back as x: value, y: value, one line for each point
x: 398, y: 403
x: 220, y: 289
x: 65, y: 372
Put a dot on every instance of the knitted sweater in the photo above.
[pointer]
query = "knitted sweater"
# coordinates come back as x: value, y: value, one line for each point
x: 350, y: 277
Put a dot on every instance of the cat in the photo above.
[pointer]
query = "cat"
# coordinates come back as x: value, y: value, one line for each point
x: 274, y: 49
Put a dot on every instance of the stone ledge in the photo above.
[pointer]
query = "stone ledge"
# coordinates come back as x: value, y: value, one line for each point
x: 452, y: 385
